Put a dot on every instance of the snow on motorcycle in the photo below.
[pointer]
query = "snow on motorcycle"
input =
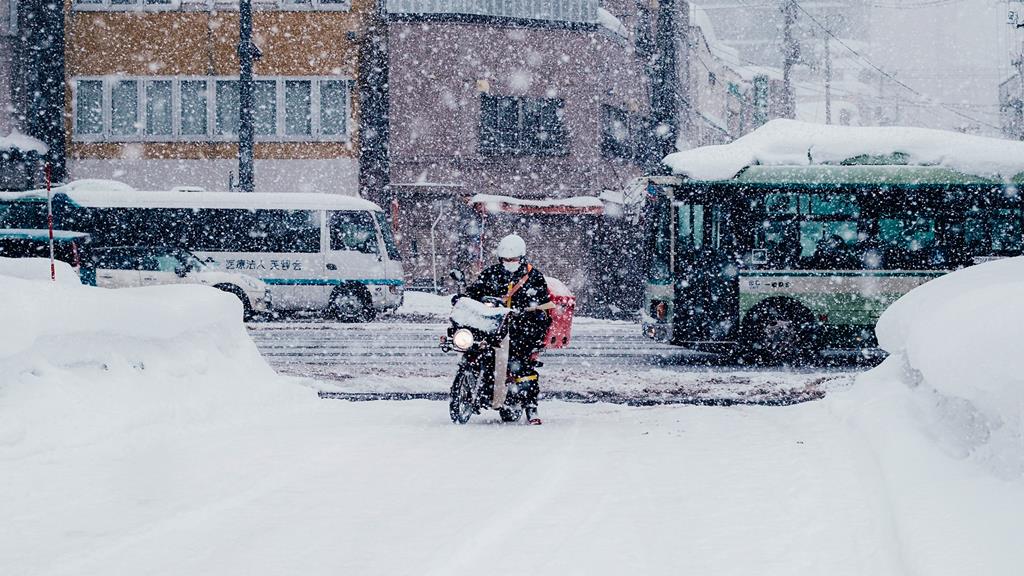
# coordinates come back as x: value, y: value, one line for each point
x: 479, y: 331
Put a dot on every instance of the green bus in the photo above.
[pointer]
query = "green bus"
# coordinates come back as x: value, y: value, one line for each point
x: 780, y: 262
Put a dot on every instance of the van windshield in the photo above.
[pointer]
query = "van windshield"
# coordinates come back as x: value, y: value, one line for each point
x: 389, y: 237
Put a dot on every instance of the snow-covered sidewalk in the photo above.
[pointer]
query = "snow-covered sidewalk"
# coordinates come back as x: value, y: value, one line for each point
x: 168, y: 447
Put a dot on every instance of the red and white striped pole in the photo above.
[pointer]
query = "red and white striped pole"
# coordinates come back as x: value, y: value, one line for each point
x: 49, y: 219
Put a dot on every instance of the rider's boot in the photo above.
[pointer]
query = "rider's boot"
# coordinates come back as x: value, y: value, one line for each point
x: 532, y: 417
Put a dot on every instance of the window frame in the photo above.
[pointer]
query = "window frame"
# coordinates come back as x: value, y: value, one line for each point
x: 92, y: 136
x: 527, y: 108
x: 143, y: 84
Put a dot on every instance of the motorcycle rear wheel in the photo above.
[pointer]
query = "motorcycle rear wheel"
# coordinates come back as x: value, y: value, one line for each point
x: 460, y: 408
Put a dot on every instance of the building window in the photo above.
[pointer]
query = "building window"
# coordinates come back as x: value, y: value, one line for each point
x: 616, y: 137
x: 265, y: 114
x: 12, y: 29
x: 193, y: 99
x: 207, y: 109
x: 298, y: 106
x: 522, y: 126
x: 227, y: 108
x: 89, y: 107
x: 124, y: 108
x: 159, y: 115
x: 333, y: 107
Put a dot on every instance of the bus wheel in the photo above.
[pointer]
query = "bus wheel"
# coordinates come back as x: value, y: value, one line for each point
x: 352, y: 304
x: 247, y: 313
x: 779, y: 331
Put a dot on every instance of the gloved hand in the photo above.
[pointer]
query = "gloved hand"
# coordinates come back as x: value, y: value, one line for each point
x: 455, y: 298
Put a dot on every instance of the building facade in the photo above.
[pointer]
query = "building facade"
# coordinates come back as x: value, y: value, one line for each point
x: 153, y: 92
x: 506, y: 100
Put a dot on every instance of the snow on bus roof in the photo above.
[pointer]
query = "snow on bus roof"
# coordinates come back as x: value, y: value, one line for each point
x: 793, y: 143
x: 110, y: 194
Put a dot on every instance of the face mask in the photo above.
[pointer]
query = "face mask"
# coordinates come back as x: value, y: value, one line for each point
x: 511, y: 266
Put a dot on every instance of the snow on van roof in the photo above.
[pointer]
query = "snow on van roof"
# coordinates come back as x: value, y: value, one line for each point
x: 18, y: 141
x: 112, y: 194
x: 793, y: 143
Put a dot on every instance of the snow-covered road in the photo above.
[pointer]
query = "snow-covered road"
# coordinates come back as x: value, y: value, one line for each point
x: 394, y: 488
x: 607, y: 360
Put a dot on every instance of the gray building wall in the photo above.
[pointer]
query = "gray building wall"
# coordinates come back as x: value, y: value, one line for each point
x: 6, y: 56
x: 438, y: 74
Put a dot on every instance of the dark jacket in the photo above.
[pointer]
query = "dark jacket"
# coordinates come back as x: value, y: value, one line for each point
x: 495, y: 281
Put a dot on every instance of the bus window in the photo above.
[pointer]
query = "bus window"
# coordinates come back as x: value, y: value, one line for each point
x: 353, y: 231
x: 908, y: 242
x: 287, y: 231
x: 689, y: 226
x: 992, y: 232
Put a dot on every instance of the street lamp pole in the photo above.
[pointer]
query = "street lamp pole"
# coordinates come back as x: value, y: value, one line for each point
x: 247, y: 54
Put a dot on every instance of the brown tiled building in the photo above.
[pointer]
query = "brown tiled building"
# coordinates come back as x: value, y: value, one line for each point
x: 153, y: 92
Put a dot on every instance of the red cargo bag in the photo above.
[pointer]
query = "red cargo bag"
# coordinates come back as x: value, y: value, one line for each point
x: 561, y: 315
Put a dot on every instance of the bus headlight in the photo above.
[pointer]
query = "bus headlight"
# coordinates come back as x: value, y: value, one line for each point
x: 462, y: 339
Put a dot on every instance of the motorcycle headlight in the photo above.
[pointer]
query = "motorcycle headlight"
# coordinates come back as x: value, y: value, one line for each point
x: 462, y: 339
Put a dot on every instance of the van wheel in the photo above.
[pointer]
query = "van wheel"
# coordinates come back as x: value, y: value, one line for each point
x: 779, y: 331
x: 247, y: 313
x: 352, y: 304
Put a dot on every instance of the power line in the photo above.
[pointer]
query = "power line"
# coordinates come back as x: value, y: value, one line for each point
x: 886, y: 74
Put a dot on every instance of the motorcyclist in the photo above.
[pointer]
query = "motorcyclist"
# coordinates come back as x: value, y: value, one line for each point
x: 524, y: 289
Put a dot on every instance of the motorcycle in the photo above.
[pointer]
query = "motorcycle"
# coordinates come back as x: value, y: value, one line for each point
x: 479, y: 331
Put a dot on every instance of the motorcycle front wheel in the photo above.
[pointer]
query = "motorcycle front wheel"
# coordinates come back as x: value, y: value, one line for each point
x: 460, y: 408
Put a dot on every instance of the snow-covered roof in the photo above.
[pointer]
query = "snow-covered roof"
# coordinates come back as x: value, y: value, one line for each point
x: 793, y: 143
x: 18, y: 141
x: 93, y: 195
x: 727, y: 54
x: 577, y: 205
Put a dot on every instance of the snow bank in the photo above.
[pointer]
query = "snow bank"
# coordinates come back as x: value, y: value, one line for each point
x: 18, y: 141
x: 792, y: 143
x: 38, y: 269
x: 424, y: 304
x: 79, y: 363
x: 959, y: 337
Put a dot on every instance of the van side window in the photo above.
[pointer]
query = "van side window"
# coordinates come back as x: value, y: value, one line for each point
x: 115, y: 259
x: 353, y: 231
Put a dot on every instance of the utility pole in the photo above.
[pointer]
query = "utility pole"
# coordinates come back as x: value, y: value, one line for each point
x: 828, y: 82
x: 665, y: 85
x: 790, y: 55
x: 248, y: 53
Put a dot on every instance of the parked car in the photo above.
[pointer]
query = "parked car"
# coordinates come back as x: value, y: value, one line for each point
x: 70, y: 247
x: 128, y: 266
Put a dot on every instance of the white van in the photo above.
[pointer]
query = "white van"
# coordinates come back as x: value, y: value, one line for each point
x: 317, y: 252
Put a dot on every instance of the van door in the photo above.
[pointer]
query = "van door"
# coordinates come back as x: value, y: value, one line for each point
x: 394, y: 272
x: 354, y: 254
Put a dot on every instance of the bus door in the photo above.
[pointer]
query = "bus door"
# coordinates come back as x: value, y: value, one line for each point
x: 706, y: 273
x: 354, y: 253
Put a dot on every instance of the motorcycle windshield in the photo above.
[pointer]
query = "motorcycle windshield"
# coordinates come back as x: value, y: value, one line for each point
x: 476, y: 315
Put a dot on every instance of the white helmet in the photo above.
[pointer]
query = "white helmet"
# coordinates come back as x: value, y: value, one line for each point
x: 511, y: 246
